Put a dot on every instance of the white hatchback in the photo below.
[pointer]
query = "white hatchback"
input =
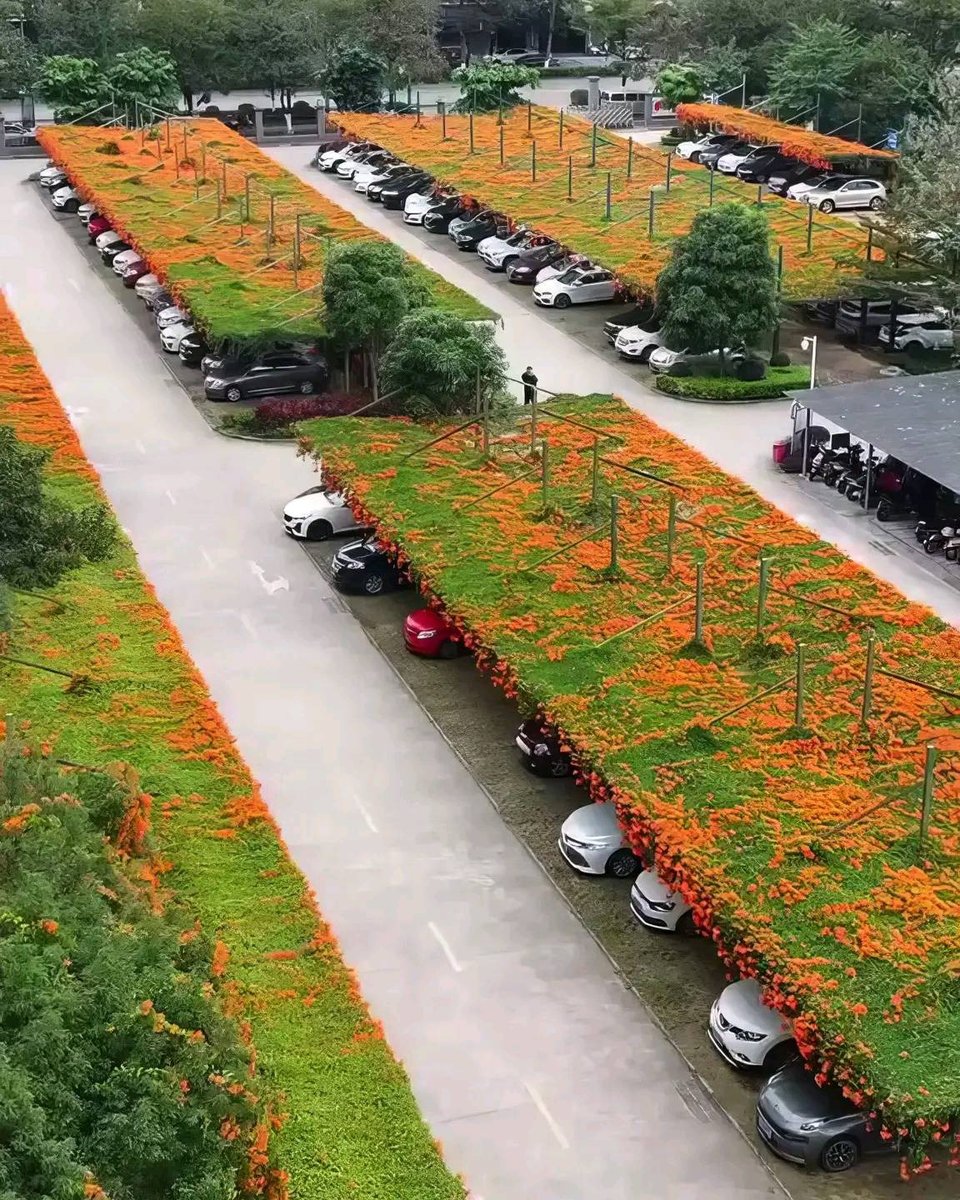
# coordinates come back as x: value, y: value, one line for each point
x: 66, y: 199
x: 592, y: 842
x: 317, y: 514
x: 747, y: 1032
x: 576, y: 286
x: 654, y: 905
x: 126, y: 258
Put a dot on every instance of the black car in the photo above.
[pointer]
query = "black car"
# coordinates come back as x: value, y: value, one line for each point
x: 397, y: 190
x: 800, y: 172
x: 192, y: 349
x: 487, y: 224
x: 525, y: 266
x: 109, y: 253
x: 760, y: 167
x: 215, y: 362
x: 365, y: 566
x: 710, y: 158
x: 640, y: 314
x: 541, y: 750
x: 438, y: 218
x: 287, y: 371
x: 375, y: 190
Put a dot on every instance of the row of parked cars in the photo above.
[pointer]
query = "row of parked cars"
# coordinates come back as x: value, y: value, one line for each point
x: 802, y: 1122
x: 285, y: 368
x: 783, y: 174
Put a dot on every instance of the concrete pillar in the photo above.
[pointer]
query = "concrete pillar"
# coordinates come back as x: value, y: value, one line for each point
x: 258, y: 126
x: 321, y: 121
x: 593, y: 92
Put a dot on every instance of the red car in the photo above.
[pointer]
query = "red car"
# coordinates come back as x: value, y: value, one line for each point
x: 96, y: 226
x: 134, y: 272
x: 427, y: 633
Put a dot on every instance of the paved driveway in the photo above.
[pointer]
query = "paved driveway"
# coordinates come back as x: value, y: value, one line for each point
x: 538, y: 1071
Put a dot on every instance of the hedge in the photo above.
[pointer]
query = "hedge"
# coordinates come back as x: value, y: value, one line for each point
x: 715, y: 387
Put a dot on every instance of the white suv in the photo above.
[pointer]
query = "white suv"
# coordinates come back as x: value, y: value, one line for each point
x: 920, y: 332
x: 637, y: 343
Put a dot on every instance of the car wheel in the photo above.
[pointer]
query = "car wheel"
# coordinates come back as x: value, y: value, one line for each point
x: 71, y: 206
x: 306, y: 388
x: 839, y: 1154
x: 912, y: 347
x: 622, y: 864
x: 780, y: 1055
x: 559, y: 768
x: 645, y: 354
x: 373, y: 585
x: 884, y: 510
x: 449, y: 649
x: 826, y: 206
x: 695, y: 156
x: 318, y: 530
x: 508, y: 262
x: 686, y: 926
x: 234, y: 394
x: 877, y: 203
x: 562, y: 301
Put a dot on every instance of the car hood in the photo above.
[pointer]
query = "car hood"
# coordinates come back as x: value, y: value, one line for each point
x: 740, y: 1005
x: 178, y: 327
x: 360, y: 551
x: 310, y: 503
x: 425, y: 620
x: 416, y: 202
x: 651, y: 886
x: 792, y: 1097
x: 594, y: 821
x: 107, y: 238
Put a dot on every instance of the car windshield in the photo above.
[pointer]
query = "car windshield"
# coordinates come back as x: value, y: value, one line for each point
x: 569, y: 276
x: 831, y: 184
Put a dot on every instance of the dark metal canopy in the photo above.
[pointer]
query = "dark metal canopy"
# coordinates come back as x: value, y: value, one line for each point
x: 916, y: 418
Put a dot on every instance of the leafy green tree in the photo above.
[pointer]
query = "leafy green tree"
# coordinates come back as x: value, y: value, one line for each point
x: 273, y: 45
x: 488, y: 86
x: 353, y: 79
x: 680, y: 83
x: 618, y: 27
x: 196, y: 33
x: 73, y: 86
x: 434, y: 361
x: 403, y: 34
x: 19, y: 60
x: 719, y: 289
x: 894, y: 79
x: 817, y: 64
x: 144, y: 76
x: 84, y: 28
x: 722, y: 69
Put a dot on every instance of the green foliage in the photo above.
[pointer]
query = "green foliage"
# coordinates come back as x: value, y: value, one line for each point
x: 722, y: 68
x: 353, y: 79
x: 77, y: 87
x: 73, y: 86
x: 88, y: 1082
x: 487, y: 86
x: 143, y: 75
x: 434, y: 360
x: 368, y: 289
x: 41, y: 537
x: 719, y: 288
x: 680, y: 83
x: 777, y: 381
x: 618, y: 27
x: 18, y: 59
x: 196, y: 34
x: 819, y: 59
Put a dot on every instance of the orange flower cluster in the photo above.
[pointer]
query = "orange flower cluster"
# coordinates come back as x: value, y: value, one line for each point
x: 797, y: 845
x: 217, y: 220
x: 818, y: 149
x: 568, y: 198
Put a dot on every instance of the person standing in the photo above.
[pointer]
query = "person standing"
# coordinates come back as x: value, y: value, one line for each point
x: 529, y: 386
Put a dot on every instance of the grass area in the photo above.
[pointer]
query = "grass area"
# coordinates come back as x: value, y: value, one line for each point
x: 352, y: 1128
x: 183, y: 205
x: 567, y: 200
x: 797, y: 845
x: 715, y: 387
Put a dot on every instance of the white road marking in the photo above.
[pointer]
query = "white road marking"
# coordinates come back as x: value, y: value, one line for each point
x: 547, y: 1116
x: 371, y: 824
x: 170, y: 496
x: 207, y: 559
x: 444, y: 946
x: 280, y: 584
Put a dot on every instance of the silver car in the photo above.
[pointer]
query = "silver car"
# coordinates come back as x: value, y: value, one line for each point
x: 592, y: 841
x: 839, y: 193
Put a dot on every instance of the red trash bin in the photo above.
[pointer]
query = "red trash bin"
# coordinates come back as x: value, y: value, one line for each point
x: 781, y: 449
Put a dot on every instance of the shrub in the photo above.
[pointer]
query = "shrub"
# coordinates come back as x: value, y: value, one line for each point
x: 720, y: 388
x: 750, y: 369
x: 780, y: 359
x: 108, y: 148
x: 579, y: 97
x: 279, y: 411
x: 679, y: 369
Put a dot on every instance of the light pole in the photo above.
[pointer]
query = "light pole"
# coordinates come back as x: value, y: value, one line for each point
x: 810, y: 343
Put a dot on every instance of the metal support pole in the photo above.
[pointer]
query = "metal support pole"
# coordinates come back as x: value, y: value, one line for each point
x: 743, y: 91
x: 296, y: 266
x: 136, y: 113
x: 866, y: 483
x: 246, y: 190
x: 529, y: 115
x: 860, y: 124
x: 806, y: 445
x: 443, y: 121
x: 219, y: 202
x: 629, y: 158
x: 186, y: 151
x: 809, y: 228
x: 296, y: 247
x: 483, y: 407
x: 545, y: 471
x: 866, y: 708
x: 417, y: 123
x: 570, y: 177
x: 595, y: 473
x: 501, y: 145
x: 713, y: 180
x: 168, y: 133
x: 926, y: 810
x: 471, y: 132
x: 653, y: 200
x: 759, y: 193
x: 593, y: 146
x: 798, y: 701
x: 561, y: 129
x: 270, y: 227
x: 762, y: 594
x: 533, y: 161
x: 614, y: 532
x: 203, y: 161
x: 533, y: 422
x: 816, y: 116
x: 669, y: 166
x: 671, y: 530
x: 609, y: 197
x: 698, y: 613
x: 223, y: 178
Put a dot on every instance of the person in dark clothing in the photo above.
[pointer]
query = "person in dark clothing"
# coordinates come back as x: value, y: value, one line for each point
x: 529, y: 386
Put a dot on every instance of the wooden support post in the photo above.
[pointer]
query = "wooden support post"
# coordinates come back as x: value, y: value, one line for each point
x: 570, y: 177
x: 561, y: 129
x: 866, y: 708
x: 595, y: 473
x: 762, y: 594
x: 529, y: 115
x: 614, y: 531
x: 608, y: 211
x: 219, y: 202
x: 671, y: 530
x: 869, y: 243
x: 471, y: 132
x: 545, y: 472
x: 240, y: 212
x: 186, y: 149
x: 533, y: 161
x: 246, y: 190
x: 501, y: 145
x: 196, y: 184
x: 203, y: 161
x: 271, y: 226
x: 713, y: 181
x: 653, y: 201
x: 759, y: 194
x: 629, y: 158
x: 669, y: 168
x: 798, y: 699
x: 483, y: 414
x: 533, y: 422
x: 809, y: 228
x: 698, y: 612
x: 443, y: 119
x: 296, y: 266
x: 223, y: 178
x: 168, y: 133
x: 593, y: 146
x: 926, y: 810
x: 418, y: 123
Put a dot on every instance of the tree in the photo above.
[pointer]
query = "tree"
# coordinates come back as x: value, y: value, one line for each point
x: 196, y: 35
x: 18, y: 57
x: 42, y: 538
x: 403, y: 34
x: 723, y: 67
x: 894, y: 79
x: 680, y: 83
x: 816, y: 67
x: 719, y: 288
x: 617, y: 27
x: 74, y: 87
x: 489, y: 86
x: 143, y: 76
x: 353, y: 79
x: 84, y: 28
x: 273, y: 45
x: 434, y: 362
x: 368, y: 288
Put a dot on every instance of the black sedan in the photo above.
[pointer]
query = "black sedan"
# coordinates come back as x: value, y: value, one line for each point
x: 109, y: 253
x: 763, y: 163
x: 365, y: 566
x: 710, y: 158
x: 397, y: 190
x: 485, y: 225
x: 800, y: 172
x: 375, y: 190
x: 285, y: 373
x: 525, y: 266
x: 640, y: 314
x: 438, y: 218
x: 541, y: 750
x: 192, y: 349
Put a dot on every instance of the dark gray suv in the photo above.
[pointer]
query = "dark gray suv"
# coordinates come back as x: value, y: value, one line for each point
x: 273, y: 374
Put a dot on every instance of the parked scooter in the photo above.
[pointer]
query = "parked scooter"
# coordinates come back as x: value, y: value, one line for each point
x: 884, y: 475
x: 843, y: 464
x: 855, y: 474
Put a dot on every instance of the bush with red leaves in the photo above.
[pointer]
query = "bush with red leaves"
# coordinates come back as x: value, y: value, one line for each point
x: 278, y: 411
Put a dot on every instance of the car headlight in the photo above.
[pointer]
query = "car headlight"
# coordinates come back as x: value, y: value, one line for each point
x: 425, y: 634
x: 602, y: 844
x: 662, y: 905
x: 809, y: 1126
x: 216, y: 382
x: 354, y: 566
x: 747, y: 1035
x: 541, y: 749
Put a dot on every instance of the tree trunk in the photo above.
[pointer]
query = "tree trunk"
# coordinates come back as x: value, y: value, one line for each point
x: 374, y: 381
x: 550, y: 28
x: 187, y: 93
x: 723, y: 363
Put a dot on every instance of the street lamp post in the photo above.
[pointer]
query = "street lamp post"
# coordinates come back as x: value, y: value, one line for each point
x: 809, y: 343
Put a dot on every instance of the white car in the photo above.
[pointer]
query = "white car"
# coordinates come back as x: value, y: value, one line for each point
x: 727, y: 163
x: 317, y: 514
x: 562, y: 266
x: 797, y: 191
x: 172, y: 335
x: 107, y: 238
x: 654, y: 905
x: 746, y: 1032
x: 147, y: 285
x: 847, y: 193
x: 922, y: 331
x: 577, y: 286
x: 637, y: 343
x: 172, y: 316
x: 65, y: 199
x: 663, y: 358
x: 694, y: 148
x: 52, y: 178
x: 126, y: 258
x: 416, y: 207
x: 85, y: 212
x: 328, y: 160
x: 497, y: 252
x: 592, y: 842
x: 382, y: 174
x: 364, y: 162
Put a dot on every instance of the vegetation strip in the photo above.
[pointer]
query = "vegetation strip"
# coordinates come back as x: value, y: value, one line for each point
x: 563, y: 193
x: 792, y: 825
x: 194, y: 198
x: 350, y: 1123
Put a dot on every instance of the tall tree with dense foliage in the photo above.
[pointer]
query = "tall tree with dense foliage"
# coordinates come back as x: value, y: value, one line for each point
x: 143, y: 76
x: 617, y: 27
x: 353, y: 78
x: 83, y: 28
x: 719, y: 289
x: 488, y: 86
x: 403, y: 34
x: 680, y: 83
x: 818, y: 63
x: 197, y: 35
x: 74, y: 87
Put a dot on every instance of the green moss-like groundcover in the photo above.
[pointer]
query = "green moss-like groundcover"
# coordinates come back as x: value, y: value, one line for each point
x: 352, y: 1128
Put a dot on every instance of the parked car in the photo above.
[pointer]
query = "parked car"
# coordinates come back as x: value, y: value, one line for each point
x: 739, y: 149
x: 133, y: 273
x: 96, y: 226
x: 914, y: 334
x: 85, y: 212
x: 851, y: 319
x: 471, y: 233
x: 126, y: 258
x: 541, y: 750
x: 657, y: 907
x: 65, y: 199
x: 172, y: 335
x: 107, y: 238
x: 349, y: 167
x: 417, y: 205
x: 815, y: 1126
x: 781, y: 180
x: 293, y: 372
x: 638, y: 342
x: 382, y: 175
x: 663, y: 358
x: 759, y: 167
x: 846, y: 194
x: 318, y: 513
x: 695, y: 147
x: 497, y: 252
x: 429, y: 634
x: 577, y: 286
x: 109, y: 252
x: 365, y: 566
x: 157, y: 302
x: 521, y: 56
x: 147, y: 285
x: 329, y: 160
x: 747, y: 1032
x: 215, y: 362
x: 192, y: 348
x: 394, y: 194
x: 797, y: 191
x: 592, y: 842
x: 375, y: 189
x: 561, y: 266
x: 736, y: 155
x: 439, y: 218
x: 53, y: 178
x: 639, y: 314
x: 173, y: 314
x: 527, y: 265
